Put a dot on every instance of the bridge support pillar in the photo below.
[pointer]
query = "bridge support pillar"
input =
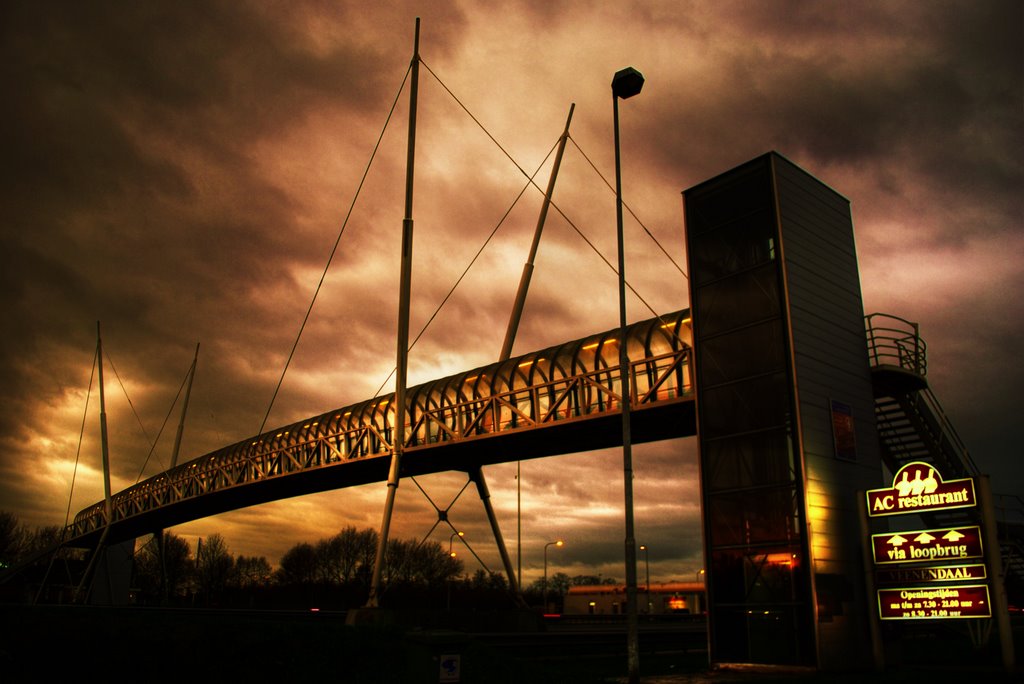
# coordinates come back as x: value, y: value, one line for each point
x: 785, y: 416
x: 477, y: 476
x: 112, y: 576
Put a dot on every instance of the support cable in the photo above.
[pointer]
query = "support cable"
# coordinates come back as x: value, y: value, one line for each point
x: 74, y: 475
x: 472, y: 261
x: 553, y: 204
x: 162, y: 426
x: 629, y: 209
x: 130, y: 404
x: 334, y: 250
x: 81, y: 437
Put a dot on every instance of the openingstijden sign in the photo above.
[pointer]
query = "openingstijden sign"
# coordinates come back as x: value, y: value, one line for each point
x: 916, y: 603
x: 917, y: 487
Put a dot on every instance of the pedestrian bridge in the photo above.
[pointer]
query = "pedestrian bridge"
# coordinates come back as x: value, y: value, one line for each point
x: 563, y: 399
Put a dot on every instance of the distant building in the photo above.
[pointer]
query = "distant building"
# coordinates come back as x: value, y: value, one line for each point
x: 610, y: 599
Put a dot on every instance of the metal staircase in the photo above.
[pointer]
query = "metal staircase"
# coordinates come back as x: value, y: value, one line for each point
x: 913, y: 427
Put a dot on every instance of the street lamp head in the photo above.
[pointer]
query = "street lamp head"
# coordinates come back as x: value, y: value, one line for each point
x: 627, y: 83
x: 559, y: 543
x: 643, y: 547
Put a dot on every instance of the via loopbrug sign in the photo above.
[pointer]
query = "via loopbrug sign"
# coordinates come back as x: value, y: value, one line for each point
x: 918, y: 487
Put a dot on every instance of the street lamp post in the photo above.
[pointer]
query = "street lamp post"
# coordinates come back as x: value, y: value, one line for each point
x: 647, y: 566
x: 452, y: 554
x: 625, y: 84
x: 451, y: 539
x: 554, y: 543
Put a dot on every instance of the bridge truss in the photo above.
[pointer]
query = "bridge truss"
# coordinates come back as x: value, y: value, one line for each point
x: 561, y: 399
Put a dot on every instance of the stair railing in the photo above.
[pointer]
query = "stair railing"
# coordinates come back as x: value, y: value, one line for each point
x: 894, y: 341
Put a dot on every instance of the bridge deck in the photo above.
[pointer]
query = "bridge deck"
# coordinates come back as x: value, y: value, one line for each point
x: 562, y: 399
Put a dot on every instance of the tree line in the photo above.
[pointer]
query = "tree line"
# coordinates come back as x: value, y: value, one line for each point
x: 334, y: 572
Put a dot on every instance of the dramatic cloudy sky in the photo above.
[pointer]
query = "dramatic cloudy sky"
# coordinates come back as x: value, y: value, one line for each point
x: 180, y: 171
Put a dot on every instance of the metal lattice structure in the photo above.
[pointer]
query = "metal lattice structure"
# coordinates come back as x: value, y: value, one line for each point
x: 447, y: 421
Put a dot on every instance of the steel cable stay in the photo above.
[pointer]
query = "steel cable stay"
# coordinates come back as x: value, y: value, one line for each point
x: 150, y: 442
x: 441, y: 517
x: 334, y: 249
x: 162, y: 426
x: 530, y: 182
x: 552, y: 202
x: 74, y: 476
x: 630, y: 210
x: 472, y: 262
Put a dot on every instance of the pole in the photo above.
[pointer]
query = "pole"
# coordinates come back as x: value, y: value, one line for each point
x: 477, y: 476
x: 184, y: 408
x: 1000, y: 609
x: 159, y: 534
x: 554, y: 543
x: 647, y: 567
x: 519, y: 524
x: 398, y: 438
x: 108, y: 507
x: 510, y: 337
x: 524, y: 281
x: 104, y: 449
x: 626, y: 77
x: 874, y: 621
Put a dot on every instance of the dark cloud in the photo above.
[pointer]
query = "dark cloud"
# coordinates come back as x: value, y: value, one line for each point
x: 180, y: 172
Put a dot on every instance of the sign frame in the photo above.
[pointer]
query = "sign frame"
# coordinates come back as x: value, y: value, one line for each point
x: 926, y: 492
x: 943, y: 603
x: 972, y: 548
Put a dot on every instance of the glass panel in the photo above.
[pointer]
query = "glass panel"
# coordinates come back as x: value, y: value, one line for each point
x: 753, y: 517
x: 746, y: 406
x: 771, y: 635
x: 742, y: 353
x: 735, y: 247
x: 749, y: 460
x: 729, y: 201
x: 738, y: 301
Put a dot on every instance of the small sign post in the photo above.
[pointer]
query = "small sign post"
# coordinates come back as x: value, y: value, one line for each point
x: 917, y: 487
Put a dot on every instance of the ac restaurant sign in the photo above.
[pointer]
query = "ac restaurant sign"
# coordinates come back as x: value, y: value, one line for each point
x: 917, y: 487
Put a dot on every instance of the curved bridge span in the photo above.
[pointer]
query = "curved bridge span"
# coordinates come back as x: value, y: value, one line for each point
x: 563, y: 399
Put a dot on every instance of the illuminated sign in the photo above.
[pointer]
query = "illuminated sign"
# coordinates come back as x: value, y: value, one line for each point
x: 918, y: 487
x: 939, y: 573
x: 934, y: 603
x: 922, y: 546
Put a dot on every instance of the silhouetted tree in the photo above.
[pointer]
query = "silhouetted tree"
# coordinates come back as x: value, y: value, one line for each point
x: 214, y: 565
x: 298, y: 565
x: 589, y: 580
x: 427, y: 564
x: 251, y: 571
x: 358, y: 549
x: 12, y: 539
x: 160, y: 580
